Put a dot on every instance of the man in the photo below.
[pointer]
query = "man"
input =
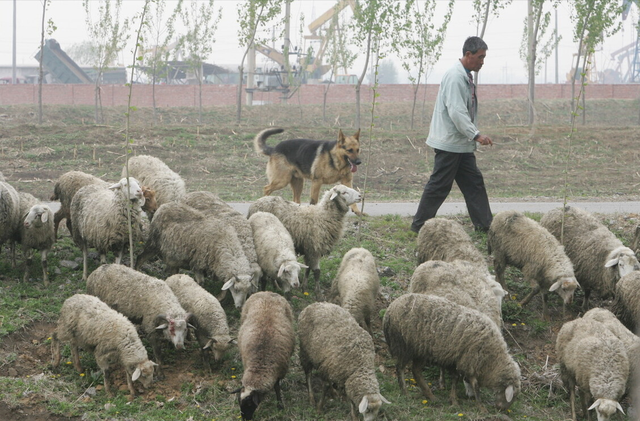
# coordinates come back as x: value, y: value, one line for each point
x: 454, y: 137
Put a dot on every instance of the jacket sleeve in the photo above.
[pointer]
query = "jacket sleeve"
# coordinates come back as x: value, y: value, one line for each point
x: 456, y: 92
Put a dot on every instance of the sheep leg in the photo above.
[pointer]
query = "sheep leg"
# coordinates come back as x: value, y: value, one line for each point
x: 400, y: 377
x: 106, y: 373
x: 85, y: 256
x: 499, y: 266
x: 55, y: 350
x: 572, y: 399
x: 57, y: 217
x: 119, y: 256
x: 441, y: 380
x: 354, y: 412
x: 157, y: 353
x: 75, y: 356
x: 312, y: 400
x: 476, y: 392
x: 453, y: 394
x: 545, y: 307
x: 132, y: 389
x: 143, y: 258
x: 12, y: 249
x: 585, y: 302
x: 103, y: 259
x: 316, y: 278
x: 325, y: 391
x: 263, y: 283
x: 585, y: 400
x: 45, y: 266
x: 419, y: 378
x: 534, y: 291
x: 276, y: 387
x: 28, y: 260
x: 69, y: 226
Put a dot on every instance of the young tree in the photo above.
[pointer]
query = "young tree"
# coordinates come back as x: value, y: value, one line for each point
x: 483, y: 8
x: 49, y: 28
x: 109, y: 36
x: 197, y: 44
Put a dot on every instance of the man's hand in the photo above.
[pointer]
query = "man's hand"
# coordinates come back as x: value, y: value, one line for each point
x: 484, y: 140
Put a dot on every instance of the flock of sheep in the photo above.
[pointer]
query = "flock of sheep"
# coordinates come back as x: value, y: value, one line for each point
x: 451, y: 316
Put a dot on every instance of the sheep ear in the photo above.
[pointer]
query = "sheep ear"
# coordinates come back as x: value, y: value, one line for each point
x: 162, y: 326
x: 555, y: 286
x: 611, y: 263
x: 595, y: 404
x: 115, y: 186
x: 364, y: 403
x: 620, y: 408
x: 281, y: 270
x: 136, y: 374
x: 303, y: 266
x: 233, y: 341
x: 44, y: 217
x: 209, y: 343
x: 384, y: 400
x: 228, y: 284
x: 334, y: 193
x: 508, y: 393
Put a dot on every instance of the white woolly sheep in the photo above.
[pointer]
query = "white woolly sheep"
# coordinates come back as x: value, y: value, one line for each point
x: 356, y: 285
x: 186, y: 238
x: 152, y: 172
x: 88, y: 323
x: 420, y: 328
x: 315, y: 229
x: 143, y: 299
x: 445, y: 239
x: 9, y: 216
x: 35, y: 232
x: 599, y: 258
x: 517, y: 240
x: 626, y: 304
x: 595, y: 360
x: 211, y: 205
x: 207, y: 315
x: 275, y: 251
x: 461, y: 282
x: 266, y: 341
x: 332, y: 342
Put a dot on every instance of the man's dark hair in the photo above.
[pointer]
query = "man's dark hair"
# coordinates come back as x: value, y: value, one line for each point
x: 473, y: 44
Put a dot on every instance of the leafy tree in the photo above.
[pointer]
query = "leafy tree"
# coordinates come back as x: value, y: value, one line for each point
x: 109, y: 36
x: 387, y: 72
x: 197, y: 44
x: 47, y: 28
x: 83, y: 52
x: 482, y: 9
x: 253, y: 15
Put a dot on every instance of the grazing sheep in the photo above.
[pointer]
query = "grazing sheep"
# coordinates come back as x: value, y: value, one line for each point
x: 35, y: 232
x: 211, y: 205
x: 152, y: 172
x: 266, y: 341
x: 626, y: 304
x: 315, y: 229
x: 186, y: 238
x: 445, y: 239
x: 332, y: 342
x: 514, y: 239
x: 356, y: 285
x: 275, y: 251
x: 595, y: 360
x: 599, y: 258
x: 100, y: 218
x: 207, y: 315
x: 461, y: 282
x: 9, y: 216
x: 143, y: 299
x: 422, y: 328
x: 88, y: 323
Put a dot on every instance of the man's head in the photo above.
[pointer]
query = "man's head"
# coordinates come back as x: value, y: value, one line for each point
x: 474, y: 51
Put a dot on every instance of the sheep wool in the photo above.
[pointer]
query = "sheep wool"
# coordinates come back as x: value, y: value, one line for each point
x: 142, y: 298
x: 88, y: 323
x: 595, y: 360
x: 445, y: 239
x: 420, y: 328
x: 626, y: 304
x: 36, y: 231
x: 207, y: 315
x: 599, y: 258
x: 9, y: 213
x: 152, y: 172
x: 332, y: 342
x: 357, y: 284
x: 266, y: 341
x: 514, y: 239
x: 315, y: 229
x: 275, y: 251
x: 186, y: 238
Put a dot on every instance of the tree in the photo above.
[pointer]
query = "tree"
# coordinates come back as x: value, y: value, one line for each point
x: 253, y: 15
x: 197, y: 43
x: 387, y: 72
x: 109, y: 36
x: 83, y: 52
x: 418, y: 42
x: 535, y: 29
x: 483, y: 8
x: 49, y: 28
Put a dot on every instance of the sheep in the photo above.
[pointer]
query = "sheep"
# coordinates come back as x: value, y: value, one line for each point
x: 315, y: 229
x: 211, y: 205
x: 88, y: 323
x: 207, y: 315
x: 186, y: 238
x: 154, y: 173
x: 266, y: 341
x: 599, y: 258
x: 445, y: 239
x: 35, y: 232
x: 142, y: 298
x: 275, y: 251
x: 420, y: 328
x: 595, y: 360
x: 514, y: 239
x: 332, y: 342
x: 9, y: 216
x: 356, y: 285
x: 100, y: 220
x: 461, y: 282
x: 626, y: 304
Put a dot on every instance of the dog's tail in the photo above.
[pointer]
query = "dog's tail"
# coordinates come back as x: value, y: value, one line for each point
x: 260, y: 141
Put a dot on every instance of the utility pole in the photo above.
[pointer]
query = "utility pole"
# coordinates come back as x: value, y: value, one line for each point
x: 286, y: 47
x: 556, y: 45
x: 14, y: 78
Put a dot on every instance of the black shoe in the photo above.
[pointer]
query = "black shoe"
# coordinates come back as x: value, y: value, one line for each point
x: 481, y: 229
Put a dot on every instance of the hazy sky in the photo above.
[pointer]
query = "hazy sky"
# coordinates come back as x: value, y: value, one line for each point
x: 503, y: 36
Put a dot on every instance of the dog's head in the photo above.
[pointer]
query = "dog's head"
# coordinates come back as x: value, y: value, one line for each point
x: 349, y: 147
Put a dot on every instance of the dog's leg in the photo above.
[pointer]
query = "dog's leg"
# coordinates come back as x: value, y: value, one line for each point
x: 296, y: 185
x: 315, y: 191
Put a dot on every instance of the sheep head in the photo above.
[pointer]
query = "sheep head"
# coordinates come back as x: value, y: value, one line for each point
x: 37, y: 216
x: 174, y: 329
x: 624, y: 260
x: 240, y: 286
x: 349, y: 195
x: 219, y: 345
x: 370, y: 405
x: 248, y: 400
x: 144, y: 373
x: 131, y: 189
x: 605, y: 408
x: 289, y: 273
x: 565, y: 287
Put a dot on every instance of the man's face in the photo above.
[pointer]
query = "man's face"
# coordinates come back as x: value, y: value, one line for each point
x: 474, y: 62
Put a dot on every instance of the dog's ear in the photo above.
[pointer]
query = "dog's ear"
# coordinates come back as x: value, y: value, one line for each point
x: 357, y: 135
x: 341, y: 137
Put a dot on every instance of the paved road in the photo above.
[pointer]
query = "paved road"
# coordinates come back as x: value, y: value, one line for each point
x: 455, y: 208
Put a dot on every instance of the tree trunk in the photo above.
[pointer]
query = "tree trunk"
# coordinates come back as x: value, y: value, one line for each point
x: 40, y: 67
x: 239, y: 96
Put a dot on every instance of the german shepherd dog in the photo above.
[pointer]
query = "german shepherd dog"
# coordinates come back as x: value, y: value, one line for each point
x: 321, y: 161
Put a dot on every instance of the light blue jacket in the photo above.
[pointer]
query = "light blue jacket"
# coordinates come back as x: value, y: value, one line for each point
x: 453, y: 123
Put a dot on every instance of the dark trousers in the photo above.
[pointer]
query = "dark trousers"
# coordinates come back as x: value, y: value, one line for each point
x: 461, y: 168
